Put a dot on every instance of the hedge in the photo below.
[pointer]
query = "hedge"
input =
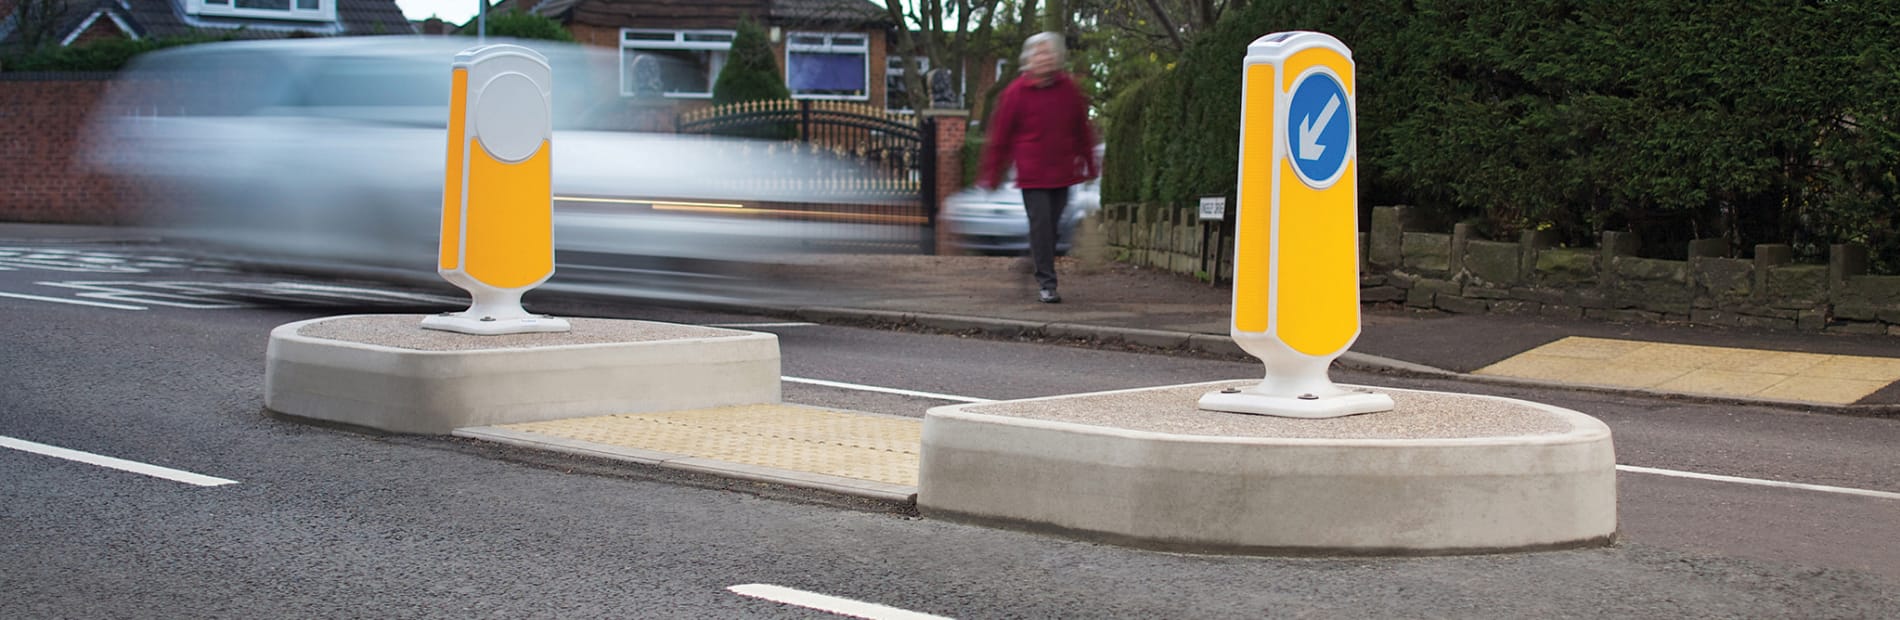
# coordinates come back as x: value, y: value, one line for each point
x: 1749, y: 120
x: 101, y: 55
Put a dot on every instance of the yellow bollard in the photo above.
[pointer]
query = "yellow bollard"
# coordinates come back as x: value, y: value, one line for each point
x: 497, y: 200
x: 1296, y: 257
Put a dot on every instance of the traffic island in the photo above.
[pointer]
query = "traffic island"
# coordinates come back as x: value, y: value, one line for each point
x: 385, y: 373
x: 1440, y: 473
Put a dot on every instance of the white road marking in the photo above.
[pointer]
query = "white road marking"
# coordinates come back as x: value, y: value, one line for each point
x: 828, y: 604
x: 885, y: 390
x: 76, y: 302
x: 229, y: 295
x: 114, y: 463
x: 745, y: 325
x: 1759, y: 482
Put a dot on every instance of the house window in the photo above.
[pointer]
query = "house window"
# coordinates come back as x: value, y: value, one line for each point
x: 298, y: 10
x: 828, y: 66
x: 896, y: 90
x: 672, y: 63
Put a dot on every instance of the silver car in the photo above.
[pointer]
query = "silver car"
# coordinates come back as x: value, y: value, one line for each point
x: 996, y: 222
x: 329, y: 155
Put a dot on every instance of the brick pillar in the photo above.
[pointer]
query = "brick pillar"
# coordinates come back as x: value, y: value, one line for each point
x: 951, y: 125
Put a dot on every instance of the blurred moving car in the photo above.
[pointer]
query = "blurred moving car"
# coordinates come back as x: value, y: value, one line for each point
x: 329, y: 155
x: 996, y: 222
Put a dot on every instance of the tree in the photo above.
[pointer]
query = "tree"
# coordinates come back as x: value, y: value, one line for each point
x: 35, y: 23
x: 751, y: 72
x: 952, y: 34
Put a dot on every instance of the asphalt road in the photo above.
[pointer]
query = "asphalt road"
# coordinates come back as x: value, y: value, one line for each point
x: 326, y: 522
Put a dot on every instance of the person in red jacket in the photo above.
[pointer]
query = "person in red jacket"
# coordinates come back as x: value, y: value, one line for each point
x: 1041, y: 124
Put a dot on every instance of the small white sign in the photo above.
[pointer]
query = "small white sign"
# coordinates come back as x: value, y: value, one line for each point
x: 1213, y: 208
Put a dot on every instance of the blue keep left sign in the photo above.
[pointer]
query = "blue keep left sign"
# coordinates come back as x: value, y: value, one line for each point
x: 1319, y: 128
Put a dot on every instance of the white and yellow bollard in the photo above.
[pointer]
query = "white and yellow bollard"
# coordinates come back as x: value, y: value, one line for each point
x: 1296, y: 257
x: 497, y: 199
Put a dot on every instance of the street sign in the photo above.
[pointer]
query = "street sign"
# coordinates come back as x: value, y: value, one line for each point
x: 1320, y: 128
x: 1296, y: 246
x: 1213, y: 208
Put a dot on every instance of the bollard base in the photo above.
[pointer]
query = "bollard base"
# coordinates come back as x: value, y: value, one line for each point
x: 1338, y: 404
x: 490, y: 326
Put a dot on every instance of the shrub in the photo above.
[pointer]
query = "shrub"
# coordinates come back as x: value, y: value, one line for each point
x: 101, y: 55
x: 518, y: 25
x: 752, y: 74
x: 1752, y: 121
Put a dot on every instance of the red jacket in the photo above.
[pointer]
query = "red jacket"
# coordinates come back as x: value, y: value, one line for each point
x: 1044, y: 129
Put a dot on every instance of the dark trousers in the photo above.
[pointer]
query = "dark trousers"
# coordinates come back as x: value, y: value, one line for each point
x: 1044, y: 206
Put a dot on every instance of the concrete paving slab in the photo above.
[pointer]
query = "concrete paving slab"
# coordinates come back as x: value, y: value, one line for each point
x: 1771, y: 376
x: 782, y: 437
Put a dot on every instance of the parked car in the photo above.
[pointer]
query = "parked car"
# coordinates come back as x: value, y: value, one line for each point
x: 328, y: 155
x: 996, y: 222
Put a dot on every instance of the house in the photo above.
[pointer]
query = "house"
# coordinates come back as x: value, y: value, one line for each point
x: 673, y: 50
x: 73, y: 22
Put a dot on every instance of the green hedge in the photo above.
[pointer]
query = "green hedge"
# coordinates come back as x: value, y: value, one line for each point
x: 1755, y: 121
x: 102, y: 55
x: 518, y: 25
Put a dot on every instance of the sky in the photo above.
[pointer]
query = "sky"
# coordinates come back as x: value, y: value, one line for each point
x: 452, y: 11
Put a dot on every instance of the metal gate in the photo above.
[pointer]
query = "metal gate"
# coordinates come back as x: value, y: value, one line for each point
x: 893, y: 176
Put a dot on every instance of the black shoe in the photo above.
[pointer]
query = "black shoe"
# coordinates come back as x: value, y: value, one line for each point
x: 1049, y: 296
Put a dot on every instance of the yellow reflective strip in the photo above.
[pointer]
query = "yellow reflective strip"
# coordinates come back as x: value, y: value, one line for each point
x: 452, y: 184
x: 1305, y: 59
x: 1253, y: 254
x: 510, y: 219
x: 1317, y: 309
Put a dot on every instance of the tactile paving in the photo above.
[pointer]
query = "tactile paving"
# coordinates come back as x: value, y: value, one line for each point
x: 788, y: 437
x: 1691, y: 369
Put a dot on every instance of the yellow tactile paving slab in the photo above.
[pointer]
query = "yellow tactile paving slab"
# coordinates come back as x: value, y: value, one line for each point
x: 1691, y: 369
x: 789, y: 437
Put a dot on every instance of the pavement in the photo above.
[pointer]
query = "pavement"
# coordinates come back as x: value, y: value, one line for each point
x: 1106, y: 303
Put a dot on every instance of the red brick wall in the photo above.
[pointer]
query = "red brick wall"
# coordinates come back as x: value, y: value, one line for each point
x: 43, y: 176
x: 950, y: 134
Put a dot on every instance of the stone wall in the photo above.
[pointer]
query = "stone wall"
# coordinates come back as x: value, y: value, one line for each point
x: 1457, y: 272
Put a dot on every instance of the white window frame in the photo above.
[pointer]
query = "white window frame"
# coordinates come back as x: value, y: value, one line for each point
x: 830, y: 46
x: 325, y: 11
x: 894, y: 67
x: 680, y: 41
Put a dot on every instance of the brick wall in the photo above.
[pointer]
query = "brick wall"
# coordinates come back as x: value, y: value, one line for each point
x: 43, y: 175
x: 951, y: 125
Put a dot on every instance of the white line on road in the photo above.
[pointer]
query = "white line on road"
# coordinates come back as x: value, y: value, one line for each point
x: 829, y: 604
x: 873, y: 388
x: 113, y: 463
x: 76, y: 302
x: 1758, y: 482
x: 745, y: 325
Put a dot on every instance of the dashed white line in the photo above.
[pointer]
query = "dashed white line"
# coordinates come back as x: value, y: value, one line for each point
x: 746, y: 325
x: 828, y: 604
x: 885, y: 390
x: 76, y: 302
x: 1758, y: 482
x: 114, y: 463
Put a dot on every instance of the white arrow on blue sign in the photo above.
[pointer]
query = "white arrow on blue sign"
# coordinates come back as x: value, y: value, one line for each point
x: 1319, y: 125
